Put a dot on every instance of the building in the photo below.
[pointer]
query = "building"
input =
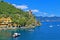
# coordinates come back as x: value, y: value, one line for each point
x: 30, y: 13
x: 5, y: 21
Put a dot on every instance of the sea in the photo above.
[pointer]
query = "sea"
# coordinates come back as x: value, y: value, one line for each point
x: 46, y: 31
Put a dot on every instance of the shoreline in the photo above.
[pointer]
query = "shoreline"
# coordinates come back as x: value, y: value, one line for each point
x: 14, y: 28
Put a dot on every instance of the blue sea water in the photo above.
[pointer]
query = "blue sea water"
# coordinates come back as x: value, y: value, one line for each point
x: 47, y: 31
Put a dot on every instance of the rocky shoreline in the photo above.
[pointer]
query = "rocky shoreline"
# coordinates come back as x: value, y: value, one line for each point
x: 17, y: 28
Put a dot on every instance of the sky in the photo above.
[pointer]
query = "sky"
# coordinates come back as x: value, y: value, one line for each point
x: 39, y: 7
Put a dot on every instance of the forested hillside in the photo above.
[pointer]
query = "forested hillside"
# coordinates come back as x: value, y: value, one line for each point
x: 18, y: 16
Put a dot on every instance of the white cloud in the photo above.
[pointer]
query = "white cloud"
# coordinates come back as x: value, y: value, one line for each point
x: 14, y: 4
x: 42, y: 14
x: 20, y: 6
x: 34, y: 10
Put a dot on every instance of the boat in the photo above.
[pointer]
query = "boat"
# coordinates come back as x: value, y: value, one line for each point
x: 58, y: 25
x: 50, y: 26
x: 16, y: 35
x: 31, y: 30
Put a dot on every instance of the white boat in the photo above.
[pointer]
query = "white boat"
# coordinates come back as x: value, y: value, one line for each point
x: 16, y: 35
x: 31, y: 30
x: 58, y: 25
x: 50, y: 26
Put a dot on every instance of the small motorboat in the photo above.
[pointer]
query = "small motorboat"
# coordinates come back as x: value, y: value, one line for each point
x: 50, y: 26
x: 58, y: 25
x: 16, y: 35
x: 31, y: 30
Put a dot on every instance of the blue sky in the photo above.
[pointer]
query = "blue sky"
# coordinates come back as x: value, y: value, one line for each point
x: 39, y: 7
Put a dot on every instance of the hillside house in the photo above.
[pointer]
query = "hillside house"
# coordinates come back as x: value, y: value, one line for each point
x: 5, y: 22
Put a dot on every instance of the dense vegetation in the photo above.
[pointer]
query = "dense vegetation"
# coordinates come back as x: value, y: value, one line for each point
x: 18, y: 16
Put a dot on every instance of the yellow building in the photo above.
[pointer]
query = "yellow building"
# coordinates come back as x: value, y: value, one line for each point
x: 5, y: 21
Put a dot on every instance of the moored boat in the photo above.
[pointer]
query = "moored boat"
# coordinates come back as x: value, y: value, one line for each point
x: 16, y: 35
